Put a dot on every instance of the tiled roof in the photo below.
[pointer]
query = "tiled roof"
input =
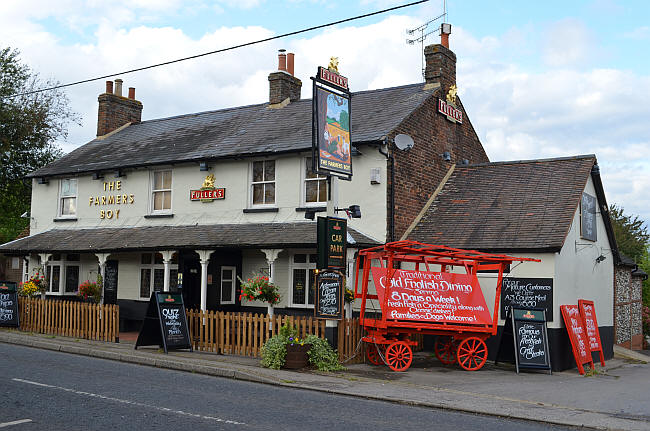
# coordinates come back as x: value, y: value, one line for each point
x: 523, y: 205
x: 250, y: 235
x: 241, y: 131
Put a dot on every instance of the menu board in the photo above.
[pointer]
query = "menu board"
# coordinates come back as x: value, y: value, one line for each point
x: 165, y: 323
x: 329, y: 294
x: 438, y: 297
x: 110, y: 282
x: 8, y: 304
x: 588, y: 314
x: 525, y: 338
x: 577, y: 335
x: 528, y: 293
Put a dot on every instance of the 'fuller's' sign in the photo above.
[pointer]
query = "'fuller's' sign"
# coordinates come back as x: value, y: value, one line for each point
x: 453, y: 114
x: 207, y: 195
x: 333, y: 78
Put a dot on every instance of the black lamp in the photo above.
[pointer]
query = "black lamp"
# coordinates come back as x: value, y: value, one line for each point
x: 353, y: 211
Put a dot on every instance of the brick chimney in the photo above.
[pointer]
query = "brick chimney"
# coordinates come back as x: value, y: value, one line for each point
x: 440, y: 61
x: 116, y: 110
x: 282, y: 84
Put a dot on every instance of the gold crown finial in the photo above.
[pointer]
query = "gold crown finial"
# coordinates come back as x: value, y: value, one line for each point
x: 208, y: 183
x: 334, y: 64
x: 451, y: 95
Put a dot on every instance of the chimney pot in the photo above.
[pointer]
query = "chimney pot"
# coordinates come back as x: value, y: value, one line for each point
x: 131, y: 92
x: 445, y: 31
x: 290, y: 58
x: 282, y: 60
x: 109, y: 87
x: 118, y: 87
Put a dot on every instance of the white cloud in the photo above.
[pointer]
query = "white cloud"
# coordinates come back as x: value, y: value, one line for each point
x: 568, y: 43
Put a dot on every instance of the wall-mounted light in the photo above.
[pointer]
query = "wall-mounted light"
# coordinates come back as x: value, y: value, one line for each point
x: 446, y: 156
x: 203, y: 166
x: 119, y: 173
x: 43, y: 180
x: 310, y: 213
x: 600, y: 258
x: 353, y: 211
x: 97, y: 175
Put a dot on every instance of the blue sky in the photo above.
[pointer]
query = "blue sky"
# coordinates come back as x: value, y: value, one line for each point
x: 537, y: 78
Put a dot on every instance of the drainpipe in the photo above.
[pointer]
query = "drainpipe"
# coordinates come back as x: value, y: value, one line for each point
x: 391, y: 191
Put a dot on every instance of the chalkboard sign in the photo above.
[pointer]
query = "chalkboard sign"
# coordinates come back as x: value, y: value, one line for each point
x: 8, y: 304
x: 165, y: 323
x: 525, y: 337
x: 588, y: 217
x: 329, y: 294
x: 527, y: 293
x: 588, y: 314
x: 110, y: 282
x: 577, y: 336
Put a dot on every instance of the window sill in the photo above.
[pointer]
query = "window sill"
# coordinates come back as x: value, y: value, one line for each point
x: 260, y: 210
x: 314, y: 209
x: 170, y: 215
x: 64, y: 219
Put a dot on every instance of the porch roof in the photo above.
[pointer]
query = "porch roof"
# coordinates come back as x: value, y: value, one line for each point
x: 214, y: 236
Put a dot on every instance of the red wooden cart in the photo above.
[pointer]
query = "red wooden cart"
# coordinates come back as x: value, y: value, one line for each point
x: 439, y: 295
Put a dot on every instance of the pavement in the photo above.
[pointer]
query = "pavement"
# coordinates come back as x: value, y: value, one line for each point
x: 616, y: 396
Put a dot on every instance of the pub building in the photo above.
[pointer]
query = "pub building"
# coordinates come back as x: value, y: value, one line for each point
x: 193, y: 202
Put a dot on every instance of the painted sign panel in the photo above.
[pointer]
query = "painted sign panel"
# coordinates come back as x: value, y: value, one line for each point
x: 332, y: 130
x: 527, y: 293
x: 329, y: 294
x: 588, y: 314
x: 440, y: 297
x: 331, y: 242
x: 588, y: 217
x: 207, y: 195
x: 333, y: 78
x: 577, y: 335
x: 452, y: 113
x: 8, y: 304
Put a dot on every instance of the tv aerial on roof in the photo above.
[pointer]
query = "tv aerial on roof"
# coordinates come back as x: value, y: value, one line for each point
x: 404, y: 142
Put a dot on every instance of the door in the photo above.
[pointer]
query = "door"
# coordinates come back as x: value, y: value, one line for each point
x: 192, y: 282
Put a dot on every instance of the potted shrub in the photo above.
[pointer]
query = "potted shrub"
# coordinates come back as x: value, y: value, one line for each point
x: 259, y: 288
x: 91, y: 290
x: 36, y: 285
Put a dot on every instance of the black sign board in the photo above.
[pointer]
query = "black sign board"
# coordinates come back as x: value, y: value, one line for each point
x: 330, y: 286
x: 332, y: 236
x: 527, y: 293
x: 110, y: 282
x: 588, y: 217
x: 8, y: 304
x: 165, y: 323
x: 525, y: 337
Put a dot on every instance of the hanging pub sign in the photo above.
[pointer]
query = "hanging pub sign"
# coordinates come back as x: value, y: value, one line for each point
x: 329, y: 294
x: 588, y: 217
x: 576, y: 329
x: 331, y: 113
x: 165, y: 323
x: 8, y: 304
x: 527, y: 293
x: 331, y: 242
x: 447, y: 106
x: 525, y: 337
x: 588, y: 314
x: 207, y: 192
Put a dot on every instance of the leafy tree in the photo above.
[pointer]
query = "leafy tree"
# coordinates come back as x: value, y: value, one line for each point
x: 29, y: 126
x: 632, y: 236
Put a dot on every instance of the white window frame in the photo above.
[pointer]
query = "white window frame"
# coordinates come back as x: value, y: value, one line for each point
x: 251, y: 184
x: 152, y: 191
x: 62, y: 264
x: 303, y: 266
x: 233, y: 286
x: 305, y: 180
x: 152, y: 267
x: 15, y: 263
x: 61, y: 197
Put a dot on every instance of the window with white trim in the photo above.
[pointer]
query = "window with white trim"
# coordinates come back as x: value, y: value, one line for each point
x: 63, y: 274
x: 228, y: 283
x: 263, y: 182
x: 161, y: 191
x: 68, y: 197
x: 315, y: 189
x: 303, y: 279
x: 152, y: 274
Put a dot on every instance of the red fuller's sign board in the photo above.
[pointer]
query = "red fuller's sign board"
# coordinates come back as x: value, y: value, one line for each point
x: 440, y: 297
x: 453, y: 114
x: 207, y: 195
x: 577, y: 335
x: 588, y: 314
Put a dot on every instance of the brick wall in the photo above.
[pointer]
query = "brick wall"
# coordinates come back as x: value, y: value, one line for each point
x: 282, y: 85
x: 115, y: 111
x: 628, y: 329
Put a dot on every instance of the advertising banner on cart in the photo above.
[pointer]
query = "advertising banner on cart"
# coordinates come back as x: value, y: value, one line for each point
x: 438, y: 297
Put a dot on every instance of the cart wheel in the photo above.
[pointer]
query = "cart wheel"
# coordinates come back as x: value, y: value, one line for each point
x: 399, y: 356
x: 472, y: 353
x: 445, y: 349
x: 373, y: 353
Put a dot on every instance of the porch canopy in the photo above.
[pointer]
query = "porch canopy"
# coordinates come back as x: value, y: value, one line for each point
x: 214, y: 236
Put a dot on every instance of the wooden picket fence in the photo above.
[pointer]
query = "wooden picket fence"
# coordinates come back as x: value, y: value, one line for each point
x: 243, y: 333
x: 70, y: 319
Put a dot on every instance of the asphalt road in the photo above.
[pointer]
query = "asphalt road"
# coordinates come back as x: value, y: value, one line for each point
x: 45, y: 390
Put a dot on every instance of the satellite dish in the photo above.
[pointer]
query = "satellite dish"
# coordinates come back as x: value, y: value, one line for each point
x: 404, y: 142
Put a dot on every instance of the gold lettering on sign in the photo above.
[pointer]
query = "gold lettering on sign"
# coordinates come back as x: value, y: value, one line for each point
x: 111, y: 199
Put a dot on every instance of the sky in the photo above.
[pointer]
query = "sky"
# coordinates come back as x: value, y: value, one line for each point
x: 537, y: 79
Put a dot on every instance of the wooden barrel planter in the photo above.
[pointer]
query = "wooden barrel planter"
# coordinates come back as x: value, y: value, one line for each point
x: 297, y: 356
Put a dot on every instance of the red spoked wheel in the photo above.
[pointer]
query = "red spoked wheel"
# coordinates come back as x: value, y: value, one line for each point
x: 445, y: 349
x: 472, y: 353
x: 399, y: 356
x: 375, y: 353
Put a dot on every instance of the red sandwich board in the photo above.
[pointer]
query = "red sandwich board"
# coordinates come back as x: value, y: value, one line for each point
x: 588, y: 314
x: 576, y: 330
